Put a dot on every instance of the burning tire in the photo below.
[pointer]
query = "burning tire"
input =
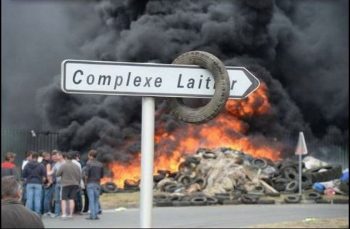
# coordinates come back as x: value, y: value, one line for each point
x: 109, y: 187
x: 221, y: 94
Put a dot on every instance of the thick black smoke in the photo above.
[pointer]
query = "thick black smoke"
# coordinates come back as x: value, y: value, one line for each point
x: 298, y: 48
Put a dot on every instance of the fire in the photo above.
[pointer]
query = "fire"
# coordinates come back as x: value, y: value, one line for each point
x: 226, y: 130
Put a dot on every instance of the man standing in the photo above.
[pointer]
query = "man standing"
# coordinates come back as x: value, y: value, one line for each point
x: 13, y: 213
x: 48, y: 188
x: 57, y: 157
x: 34, y: 174
x: 8, y: 167
x: 78, y: 200
x: 28, y: 158
x: 93, y: 175
x: 70, y: 181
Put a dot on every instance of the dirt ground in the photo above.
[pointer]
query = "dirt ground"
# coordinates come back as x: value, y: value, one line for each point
x: 309, y: 223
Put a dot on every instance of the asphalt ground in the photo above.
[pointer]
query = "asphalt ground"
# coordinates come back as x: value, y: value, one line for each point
x: 227, y: 216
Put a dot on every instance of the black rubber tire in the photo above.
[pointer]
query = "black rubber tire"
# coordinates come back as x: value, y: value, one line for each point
x: 292, y: 186
x: 171, y: 188
x: 344, y: 187
x: 199, y: 200
x: 109, y: 187
x: 292, y: 199
x: 165, y: 203
x: 192, y: 160
x: 212, y: 200
x: 201, y: 181
x: 340, y: 201
x: 221, y: 94
x: 160, y: 197
x: 332, y: 173
x: 249, y: 199
x: 175, y: 198
x: 290, y: 173
x: 266, y: 201
x: 209, y: 155
x: 158, y: 177
x: 185, y: 180
x: 280, y: 184
x: 259, y: 163
x: 313, y: 196
x: 230, y: 202
x: 322, y: 201
x: 306, y: 181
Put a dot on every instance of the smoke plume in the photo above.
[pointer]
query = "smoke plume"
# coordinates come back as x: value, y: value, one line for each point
x: 298, y: 48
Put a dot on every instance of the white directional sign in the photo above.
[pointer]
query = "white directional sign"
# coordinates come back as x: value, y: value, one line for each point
x: 161, y: 80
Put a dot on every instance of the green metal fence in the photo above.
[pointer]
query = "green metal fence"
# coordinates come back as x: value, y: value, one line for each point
x: 20, y: 141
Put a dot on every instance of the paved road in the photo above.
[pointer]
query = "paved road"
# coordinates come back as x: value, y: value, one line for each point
x: 209, y: 216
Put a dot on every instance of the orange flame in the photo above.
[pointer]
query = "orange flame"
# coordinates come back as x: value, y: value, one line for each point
x: 226, y: 130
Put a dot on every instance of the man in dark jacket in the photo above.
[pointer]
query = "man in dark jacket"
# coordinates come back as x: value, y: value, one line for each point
x: 34, y: 174
x: 93, y: 174
x: 13, y: 213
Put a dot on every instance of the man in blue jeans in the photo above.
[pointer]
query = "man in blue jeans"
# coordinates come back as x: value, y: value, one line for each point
x: 93, y: 175
x: 58, y: 158
x: 34, y: 174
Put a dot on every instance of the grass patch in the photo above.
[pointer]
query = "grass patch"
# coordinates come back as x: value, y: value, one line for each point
x: 121, y: 199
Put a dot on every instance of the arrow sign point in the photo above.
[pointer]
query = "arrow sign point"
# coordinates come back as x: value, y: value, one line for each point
x: 301, y: 146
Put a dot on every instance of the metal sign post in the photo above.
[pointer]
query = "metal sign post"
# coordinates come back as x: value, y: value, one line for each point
x: 301, y: 150
x: 147, y: 158
x: 149, y: 80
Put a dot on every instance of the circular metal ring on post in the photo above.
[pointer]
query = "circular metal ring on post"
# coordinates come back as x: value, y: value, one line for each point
x: 221, y: 94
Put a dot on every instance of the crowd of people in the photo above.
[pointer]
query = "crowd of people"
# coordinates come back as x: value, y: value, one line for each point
x: 53, y: 184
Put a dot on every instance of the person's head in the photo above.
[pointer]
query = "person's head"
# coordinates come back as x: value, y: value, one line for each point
x: 77, y: 155
x: 64, y: 155
x: 46, y: 156
x: 54, y: 155
x: 58, y: 155
x: 35, y: 156
x: 92, y: 154
x: 10, y: 157
x: 10, y: 188
x: 71, y: 155
x: 28, y: 155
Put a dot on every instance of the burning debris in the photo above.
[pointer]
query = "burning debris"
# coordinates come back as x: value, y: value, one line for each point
x: 228, y: 176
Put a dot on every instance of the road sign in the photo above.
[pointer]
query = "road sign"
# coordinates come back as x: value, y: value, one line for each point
x: 161, y: 80
x: 301, y: 146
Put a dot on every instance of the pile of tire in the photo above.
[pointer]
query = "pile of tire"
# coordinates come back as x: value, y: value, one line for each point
x: 325, y: 173
x: 286, y: 177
